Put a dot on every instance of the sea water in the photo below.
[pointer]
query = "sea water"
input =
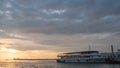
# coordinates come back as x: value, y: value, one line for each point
x: 51, y: 64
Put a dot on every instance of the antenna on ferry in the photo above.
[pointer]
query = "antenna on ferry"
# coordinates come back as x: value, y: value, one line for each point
x: 112, y: 50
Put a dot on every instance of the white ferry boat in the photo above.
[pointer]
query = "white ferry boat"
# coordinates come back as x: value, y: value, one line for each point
x: 90, y: 57
x: 84, y: 56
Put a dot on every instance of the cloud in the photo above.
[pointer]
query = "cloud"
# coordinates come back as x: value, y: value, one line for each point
x: 26, y: 45
x: 57, y: 23
x: 51, y: 11
x: 78, y: 16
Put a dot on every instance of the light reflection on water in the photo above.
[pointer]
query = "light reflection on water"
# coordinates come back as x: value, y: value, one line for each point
x: 51, y: 64
x: 27, y: 64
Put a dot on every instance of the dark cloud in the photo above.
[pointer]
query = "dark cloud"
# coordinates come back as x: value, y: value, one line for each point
x: 105, y: 25
x: 25, y: 15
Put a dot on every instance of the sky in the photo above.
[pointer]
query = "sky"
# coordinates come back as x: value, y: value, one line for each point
x: 44, y: 28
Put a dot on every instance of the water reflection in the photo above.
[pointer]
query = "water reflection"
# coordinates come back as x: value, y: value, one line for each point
x: 8, y: 65
x: 51, y: 64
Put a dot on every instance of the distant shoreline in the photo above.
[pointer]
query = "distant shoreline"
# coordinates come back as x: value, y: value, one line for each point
x: 34, y: 59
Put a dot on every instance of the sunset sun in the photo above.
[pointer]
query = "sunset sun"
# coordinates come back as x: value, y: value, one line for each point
x: 11, y: 50
x: 8, y: 50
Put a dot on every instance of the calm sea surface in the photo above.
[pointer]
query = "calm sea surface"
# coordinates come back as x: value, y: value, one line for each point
x: 50, y: 64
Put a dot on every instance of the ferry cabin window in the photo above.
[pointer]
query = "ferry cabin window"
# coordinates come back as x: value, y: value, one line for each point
x: 87, y: 60
x: 86, y: 56
x: 119, y: 56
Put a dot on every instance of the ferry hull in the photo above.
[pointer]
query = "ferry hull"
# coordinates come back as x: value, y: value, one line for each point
x: 92, y: 61
x: 82, y: 61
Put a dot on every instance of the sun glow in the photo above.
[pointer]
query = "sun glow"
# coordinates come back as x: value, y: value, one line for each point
x: 11, y: 50
x: 10, y: 53
x: 8, y: 50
